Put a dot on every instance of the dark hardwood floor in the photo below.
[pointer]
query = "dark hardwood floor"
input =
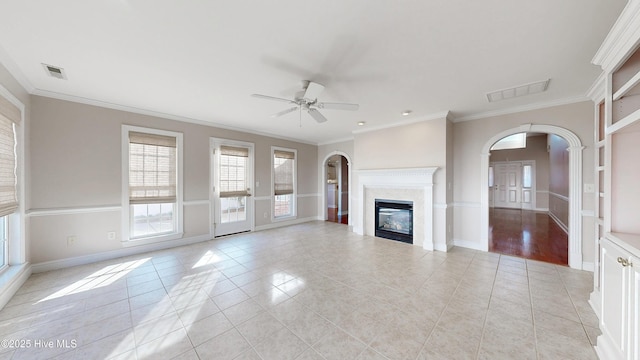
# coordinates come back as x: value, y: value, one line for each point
x: 333, y: 216
x: 528, y: 234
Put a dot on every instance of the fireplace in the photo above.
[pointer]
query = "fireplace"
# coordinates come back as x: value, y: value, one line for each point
x: 394, y: 220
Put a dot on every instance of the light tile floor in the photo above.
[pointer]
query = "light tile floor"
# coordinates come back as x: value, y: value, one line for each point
x: 310, y: 291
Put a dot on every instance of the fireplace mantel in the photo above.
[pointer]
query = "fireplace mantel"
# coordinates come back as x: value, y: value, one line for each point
x: 399, y: 179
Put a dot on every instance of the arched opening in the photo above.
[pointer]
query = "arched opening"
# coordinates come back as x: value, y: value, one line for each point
x: 336, y: 181
x: 575, y: 188
x: 528, y: 197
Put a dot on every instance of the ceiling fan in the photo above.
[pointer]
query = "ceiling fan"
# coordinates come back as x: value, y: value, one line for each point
x: 307, y: 99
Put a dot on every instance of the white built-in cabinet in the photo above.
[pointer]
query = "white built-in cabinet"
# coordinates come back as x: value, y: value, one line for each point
x: 620, y: 318
x: 617, y: 160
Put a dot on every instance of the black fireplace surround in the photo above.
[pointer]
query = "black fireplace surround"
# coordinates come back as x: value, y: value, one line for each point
x: 394, y: 220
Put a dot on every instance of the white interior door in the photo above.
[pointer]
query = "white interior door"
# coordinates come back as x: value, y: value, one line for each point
x: 508, y: 185
x: 231, y: 180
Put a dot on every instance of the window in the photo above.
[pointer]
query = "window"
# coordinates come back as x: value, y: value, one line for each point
x: 10, y: 115
x: 4, y: 237
x: 284, y: 174
x: 515, y: 141
x: 153, y: 183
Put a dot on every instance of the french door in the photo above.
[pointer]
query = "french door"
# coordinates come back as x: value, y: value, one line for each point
x: 231, y: 186
x: 512, y: 184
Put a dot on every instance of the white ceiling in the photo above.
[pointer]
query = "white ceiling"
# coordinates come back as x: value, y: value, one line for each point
x: 201, y: 60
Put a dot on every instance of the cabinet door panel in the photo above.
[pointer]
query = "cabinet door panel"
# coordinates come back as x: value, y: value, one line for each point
x: 634, y: 309
x: 614, y: 318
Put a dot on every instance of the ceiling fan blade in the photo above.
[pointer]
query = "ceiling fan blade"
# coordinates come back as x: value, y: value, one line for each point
x: 313, y: 90
x: 338, y: 106
x: 284, y: 112
x: 317, y: 115
x: 266, y: 97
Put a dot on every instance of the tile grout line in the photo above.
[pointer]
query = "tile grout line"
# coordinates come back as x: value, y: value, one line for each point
x: 486, y: 315
x: 533, y: 317
x: 577, y: 313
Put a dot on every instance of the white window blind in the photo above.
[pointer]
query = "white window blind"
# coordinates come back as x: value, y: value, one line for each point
x: 152, y: 168
x: 233, y: 164
x: 283, y: 172
x: 9, y: 115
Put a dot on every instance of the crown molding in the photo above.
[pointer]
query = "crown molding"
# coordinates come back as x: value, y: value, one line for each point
x: 623, y: 37
x: 350, y: 138
x: 597, y: 90
x: 436, y: 116
x: 523, y: 108
x: 131, y: 109
x: 15, y: 71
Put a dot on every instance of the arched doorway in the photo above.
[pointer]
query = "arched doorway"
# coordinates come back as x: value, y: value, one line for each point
x: 336, y: 184
x: 575, y: 186
x: 528, y: 197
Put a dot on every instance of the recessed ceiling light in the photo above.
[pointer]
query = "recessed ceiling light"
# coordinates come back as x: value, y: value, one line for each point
x: 406, y: 112
x: 360, y: 123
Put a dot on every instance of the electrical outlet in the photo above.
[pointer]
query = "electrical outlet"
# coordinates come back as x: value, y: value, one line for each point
x: 111, y: 235
x: 71, y: 240
x: 589, y: 188
x: 266, y: 214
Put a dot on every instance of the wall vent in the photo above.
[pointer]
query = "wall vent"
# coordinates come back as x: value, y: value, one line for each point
x: 517, y: 91
x: 54, y: 71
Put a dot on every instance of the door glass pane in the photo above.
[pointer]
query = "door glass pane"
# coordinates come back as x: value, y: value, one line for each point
x: 232, y: 209
x: 233, y: 180
x: 527, y: 180
x: 490, y: 176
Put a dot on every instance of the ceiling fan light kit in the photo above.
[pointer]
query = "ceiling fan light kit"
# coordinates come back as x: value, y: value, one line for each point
x: 307, y: 99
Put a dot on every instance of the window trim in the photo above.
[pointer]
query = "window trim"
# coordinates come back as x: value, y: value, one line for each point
x: 294, y: 195
x: 126, y: 210
x: 16, y: 241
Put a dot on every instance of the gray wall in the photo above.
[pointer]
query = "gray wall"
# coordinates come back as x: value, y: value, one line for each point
x: 76, y: 163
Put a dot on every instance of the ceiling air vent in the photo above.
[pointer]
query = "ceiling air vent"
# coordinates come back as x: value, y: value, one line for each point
x: 56, y: 72
x: 517, y: 91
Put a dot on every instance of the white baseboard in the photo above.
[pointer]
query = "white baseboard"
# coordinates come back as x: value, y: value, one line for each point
x: 468, y: 244
x: 560, y: 224
x: 11, y: 280
x: 114, y: 254
x: 606, y: 349
x: 541, y: 209
x: 444, y: 247
x: 278, y: 224
x: 594, y: 301
x: 587, y: 266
